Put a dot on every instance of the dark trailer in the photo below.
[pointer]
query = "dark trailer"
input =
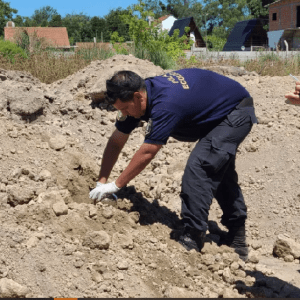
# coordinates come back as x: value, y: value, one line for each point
x: 245, y: 35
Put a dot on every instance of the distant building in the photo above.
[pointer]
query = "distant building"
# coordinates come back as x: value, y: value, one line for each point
x: 56, y: 37
x: 284, y: 24
x: 246, y: 35
x: 193, y: 33
x: 165, y: 22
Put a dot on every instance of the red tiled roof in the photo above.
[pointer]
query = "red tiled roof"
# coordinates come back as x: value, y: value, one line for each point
x: 159, y: 20
x: 57, y: 36
x: 163, y: 18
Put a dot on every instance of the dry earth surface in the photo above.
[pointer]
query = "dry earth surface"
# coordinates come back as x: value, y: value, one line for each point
x: 56, y: 243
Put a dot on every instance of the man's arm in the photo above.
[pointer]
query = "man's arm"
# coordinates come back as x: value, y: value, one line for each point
x: 138, y: 163
x: 111, y: 153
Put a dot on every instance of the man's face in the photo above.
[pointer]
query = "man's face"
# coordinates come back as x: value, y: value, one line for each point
x: 133, y: 108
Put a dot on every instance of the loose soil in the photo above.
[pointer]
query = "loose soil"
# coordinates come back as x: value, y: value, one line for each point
x: 55, y: 242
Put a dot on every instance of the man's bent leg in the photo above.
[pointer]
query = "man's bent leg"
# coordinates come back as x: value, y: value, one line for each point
x: 207, y: 165
x: 231, y: 200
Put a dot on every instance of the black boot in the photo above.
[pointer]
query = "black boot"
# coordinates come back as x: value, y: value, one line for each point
x: 192, y: 238
x: 236, y: 238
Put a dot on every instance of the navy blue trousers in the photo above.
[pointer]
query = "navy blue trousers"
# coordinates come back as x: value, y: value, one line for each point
x: 210, y: 173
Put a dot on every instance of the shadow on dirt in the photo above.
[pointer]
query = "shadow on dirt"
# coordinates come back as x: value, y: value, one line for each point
x: 264, y: 286
x: 267, y: 287
x: 150, y: 212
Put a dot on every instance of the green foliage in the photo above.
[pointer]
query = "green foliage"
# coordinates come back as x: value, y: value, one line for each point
x: 6, y: 13
x: 44, y: 15
x: 79, y: 28
x: 149, y: 40
x: 222, y: 16
x: 115, y: 22
x: 99, y: 29
x: 215, y: 43
x: 94, y: 54
x: 23, y: 41
x: 10, y: 50
x: 178, y: 8
x: 271, y: 57
x: 56, y: 21
x: 115, y: 38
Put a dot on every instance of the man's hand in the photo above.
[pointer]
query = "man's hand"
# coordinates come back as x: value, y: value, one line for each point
x: 294, y: 96
x: 101, y: 190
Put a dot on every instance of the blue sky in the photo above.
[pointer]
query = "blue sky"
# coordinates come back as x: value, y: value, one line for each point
x: 91, y: 8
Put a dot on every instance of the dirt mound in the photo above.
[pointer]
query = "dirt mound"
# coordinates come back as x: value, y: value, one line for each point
x: 56, y: 243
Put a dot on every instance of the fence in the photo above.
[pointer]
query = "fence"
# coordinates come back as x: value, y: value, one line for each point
x: 241, y: 55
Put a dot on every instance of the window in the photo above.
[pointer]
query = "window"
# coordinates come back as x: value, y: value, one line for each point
x: 274, y: 17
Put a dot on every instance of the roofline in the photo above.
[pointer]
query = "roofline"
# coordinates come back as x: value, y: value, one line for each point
x: 272, y: 3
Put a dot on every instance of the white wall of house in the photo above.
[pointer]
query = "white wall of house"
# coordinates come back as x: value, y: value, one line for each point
x: 168, y: 23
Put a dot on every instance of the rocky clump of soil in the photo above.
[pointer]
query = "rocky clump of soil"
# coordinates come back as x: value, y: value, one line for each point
x: 55, y: 242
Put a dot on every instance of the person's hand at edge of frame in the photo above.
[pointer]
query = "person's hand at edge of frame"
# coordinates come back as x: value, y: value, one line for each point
x: 294, y: 96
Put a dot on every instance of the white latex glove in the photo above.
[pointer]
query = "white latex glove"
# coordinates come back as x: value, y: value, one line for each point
x: 101, y: 190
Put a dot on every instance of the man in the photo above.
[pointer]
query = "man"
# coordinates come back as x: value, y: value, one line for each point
x: 294, y: 96
x: 189, y: 105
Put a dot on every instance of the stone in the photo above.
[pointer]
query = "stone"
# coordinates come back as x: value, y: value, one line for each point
x: 253, y: 258
x: 69, y: 249
x: 32, y: 242
x: 44, y: 175
x: 227, y: 276
x: 57, y: 143
x: 96, y: 240
x: 122, y: 240
x: 285, y: 246
x: 123, y: 265
x: 229, y: 293
x: 12, y: 289
x: 26, y: 101
x: 60, y: 208
x: 19, y: 195
x: 107, y: 212
x: 256, y: 245
x: 93, y: 212
x: 289, y: 258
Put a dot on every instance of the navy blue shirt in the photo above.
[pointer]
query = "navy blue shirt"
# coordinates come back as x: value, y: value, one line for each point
x: 186, y: 105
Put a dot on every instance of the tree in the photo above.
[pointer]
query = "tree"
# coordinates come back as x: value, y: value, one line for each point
x: 44, y: 15
x: 79, y: 27
x: 6, y: 13
x: 115, y: 22
x: 99, y: 29
x: 178, y: 8
x: 56, y: 21
x: 221, y: 16
x: 19, y: 21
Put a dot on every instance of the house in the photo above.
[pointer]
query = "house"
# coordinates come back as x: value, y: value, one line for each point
x: 165, y: 22
x: 284, y: 24
x: 246, y: 35
x: 193, y: 33
x: 56, y: 37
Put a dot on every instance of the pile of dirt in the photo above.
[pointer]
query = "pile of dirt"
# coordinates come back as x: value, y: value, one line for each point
x: 55, y: 242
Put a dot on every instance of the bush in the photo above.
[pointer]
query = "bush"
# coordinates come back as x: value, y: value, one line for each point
x: 152, y: 44
x: 215, y: 43
x: 10, y: 50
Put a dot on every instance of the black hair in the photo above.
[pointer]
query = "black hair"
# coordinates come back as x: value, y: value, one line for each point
x: 123, y: 85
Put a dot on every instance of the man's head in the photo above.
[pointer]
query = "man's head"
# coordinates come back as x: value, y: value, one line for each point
x: 127, y: 92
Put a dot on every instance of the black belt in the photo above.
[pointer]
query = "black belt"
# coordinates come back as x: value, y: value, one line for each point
x: 246, y: 102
